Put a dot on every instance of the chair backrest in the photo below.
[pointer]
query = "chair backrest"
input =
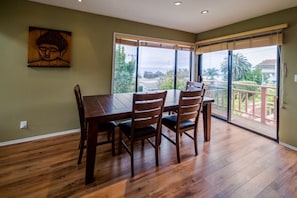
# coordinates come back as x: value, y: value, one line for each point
x: 190, y: 104
x: 192, y: 85
x: 147, y: 109
x: 80, y: 107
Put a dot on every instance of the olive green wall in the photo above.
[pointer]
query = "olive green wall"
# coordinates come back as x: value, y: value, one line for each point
x: 44, y: 96
x: 288, y: 110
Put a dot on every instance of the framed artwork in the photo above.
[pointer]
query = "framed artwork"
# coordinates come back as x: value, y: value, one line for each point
x: 49, y: 48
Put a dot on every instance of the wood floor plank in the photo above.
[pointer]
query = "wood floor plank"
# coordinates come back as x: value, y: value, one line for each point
x: 235, y: 163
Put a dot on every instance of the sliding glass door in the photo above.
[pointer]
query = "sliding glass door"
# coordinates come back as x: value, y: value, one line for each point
x: 244, y: 84
x: 255, y: 89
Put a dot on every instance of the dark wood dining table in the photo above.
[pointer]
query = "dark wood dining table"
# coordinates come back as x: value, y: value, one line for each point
x: 112, y: 107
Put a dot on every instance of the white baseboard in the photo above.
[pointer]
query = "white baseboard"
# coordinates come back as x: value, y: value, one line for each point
x: 38, y: 137
x: 288, y: 146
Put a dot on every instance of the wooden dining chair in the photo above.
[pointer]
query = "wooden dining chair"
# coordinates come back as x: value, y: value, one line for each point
x: 108, y: 127
x: 185, y: 119
x: 145, y: 123
x: 193, y: 85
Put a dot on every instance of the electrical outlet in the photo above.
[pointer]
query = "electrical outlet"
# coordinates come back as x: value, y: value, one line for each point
x: 23, y: 124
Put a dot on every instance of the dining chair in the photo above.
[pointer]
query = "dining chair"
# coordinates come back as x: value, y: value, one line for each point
x: 145, y: 123
x: 190, y: 86
x: 193, y: 85
x: 108, y: 127
x: 185, y: 119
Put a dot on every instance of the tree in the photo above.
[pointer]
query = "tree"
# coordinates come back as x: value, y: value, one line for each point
x: 167, y: 81
x: 240, y: 67
x: 256, y: 76
x: 123, y: 80
x: 211, y: 73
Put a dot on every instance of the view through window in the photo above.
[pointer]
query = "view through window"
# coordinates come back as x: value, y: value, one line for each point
x: 150, y: 68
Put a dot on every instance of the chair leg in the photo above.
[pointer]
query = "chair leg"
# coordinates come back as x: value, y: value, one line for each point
x: 120, y: 142
x: 81, y: 146
x: 83, y: 137
x: 157, y: 151
x: 109, y: 133
x: 112, y: 142
x: 142, y: 143
x: 195, y: 142
x: 81, y: 149
x: 177, y: 147
x: 132, y: 159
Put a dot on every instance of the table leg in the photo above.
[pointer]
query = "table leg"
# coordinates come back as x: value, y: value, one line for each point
x: 91, y: 152
x: 207, y: 121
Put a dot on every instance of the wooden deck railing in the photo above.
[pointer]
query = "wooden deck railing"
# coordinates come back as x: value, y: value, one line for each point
x: 256, y: 102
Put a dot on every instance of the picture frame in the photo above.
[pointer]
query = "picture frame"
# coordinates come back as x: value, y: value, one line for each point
x: 49, y: 48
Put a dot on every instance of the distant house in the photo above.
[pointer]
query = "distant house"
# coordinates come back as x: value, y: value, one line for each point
x: 268, y: 67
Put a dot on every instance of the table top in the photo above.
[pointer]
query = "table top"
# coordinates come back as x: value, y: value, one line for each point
x: 119, y: 106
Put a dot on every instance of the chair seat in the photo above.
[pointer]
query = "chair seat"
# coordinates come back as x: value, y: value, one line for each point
x: 171, y: 122
x: 106, y: 126
x: 145, y: 131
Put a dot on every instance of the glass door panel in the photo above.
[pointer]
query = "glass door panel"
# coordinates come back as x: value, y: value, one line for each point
x: 254, y: 89
x: 215, y: 78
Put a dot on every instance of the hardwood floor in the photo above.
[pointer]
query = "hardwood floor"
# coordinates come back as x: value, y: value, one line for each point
x: 235, y: 163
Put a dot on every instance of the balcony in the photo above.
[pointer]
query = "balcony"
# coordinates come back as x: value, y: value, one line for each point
x: 252, y: 106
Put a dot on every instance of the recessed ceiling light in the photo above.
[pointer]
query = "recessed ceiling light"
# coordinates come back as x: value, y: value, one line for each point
x: 79, y: 0
x: 204, y: 12
x: 177, y: 3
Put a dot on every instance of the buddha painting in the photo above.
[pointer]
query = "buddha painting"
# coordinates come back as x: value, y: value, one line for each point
x: 49, y: 48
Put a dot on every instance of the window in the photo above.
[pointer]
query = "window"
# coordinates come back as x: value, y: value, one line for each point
x: 146, y: 65
x: 155, y: 68
x: 184, y: 72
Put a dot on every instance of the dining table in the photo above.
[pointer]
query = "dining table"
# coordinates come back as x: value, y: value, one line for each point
x: 118, y: 106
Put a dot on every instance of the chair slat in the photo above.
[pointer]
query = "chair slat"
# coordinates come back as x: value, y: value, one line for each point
x: 145, y: 123
x: 188, y: 116
x: 148, y: 105
x: 189, y: 109
x: 146, y: 114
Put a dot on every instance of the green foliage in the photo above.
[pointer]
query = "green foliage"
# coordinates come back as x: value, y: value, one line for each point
x: 210, y: 73
x: 167, y: 82
x: 241, y: 67
x: 123, y: 79
x: 256, y: 76
x: 183, y: 73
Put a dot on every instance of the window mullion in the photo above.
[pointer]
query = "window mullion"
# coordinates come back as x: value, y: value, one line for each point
x: 229, y: 91
x: 175, y: 69
x: 136, y: 69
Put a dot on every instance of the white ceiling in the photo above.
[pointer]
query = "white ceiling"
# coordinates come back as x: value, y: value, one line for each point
x: 186, y: 17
